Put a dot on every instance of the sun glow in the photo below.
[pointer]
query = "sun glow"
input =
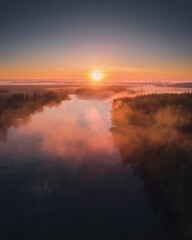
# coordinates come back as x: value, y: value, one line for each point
x: 97, y: 76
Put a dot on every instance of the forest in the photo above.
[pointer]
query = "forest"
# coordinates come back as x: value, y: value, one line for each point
x: 102, y: 92
x: 16, y: 108
x: 154, y: 134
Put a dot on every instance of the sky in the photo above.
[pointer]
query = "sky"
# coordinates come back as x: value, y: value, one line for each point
x: 68, y: 39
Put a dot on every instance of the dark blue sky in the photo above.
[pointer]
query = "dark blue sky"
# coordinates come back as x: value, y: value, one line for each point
x: 58, y: 33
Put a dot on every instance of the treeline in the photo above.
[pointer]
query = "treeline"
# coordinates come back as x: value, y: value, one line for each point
x: 100, y: 89
x: 17, y: 100
x: 153, y: 102
x: 21, y: 105
x: 150, y: 133
x: 4, y: 90
x: 168, y: 109
x: 102, y: 92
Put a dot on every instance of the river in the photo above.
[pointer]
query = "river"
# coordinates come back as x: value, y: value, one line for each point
x: 61, y: 177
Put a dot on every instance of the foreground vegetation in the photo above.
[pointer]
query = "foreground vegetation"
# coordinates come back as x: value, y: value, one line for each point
x: 154, y: 133
x: 16, y: 108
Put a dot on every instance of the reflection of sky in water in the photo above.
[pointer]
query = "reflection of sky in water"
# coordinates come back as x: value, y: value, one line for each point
x: 64, y: 156
x: 75, y: 131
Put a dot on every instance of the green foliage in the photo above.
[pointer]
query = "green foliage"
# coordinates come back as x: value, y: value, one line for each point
x: 18, y: 100
x: 153, y: 102
x: 21, y: 105
x: 154, y: 131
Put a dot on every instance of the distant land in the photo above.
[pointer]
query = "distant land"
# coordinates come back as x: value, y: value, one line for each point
x: 179, y: 84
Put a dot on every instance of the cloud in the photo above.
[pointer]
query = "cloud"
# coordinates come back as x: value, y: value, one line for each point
x: 60, y: 69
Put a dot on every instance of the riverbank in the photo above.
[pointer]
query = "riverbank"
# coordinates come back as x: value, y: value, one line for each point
x: 16, y: 108
x: 155, y: 132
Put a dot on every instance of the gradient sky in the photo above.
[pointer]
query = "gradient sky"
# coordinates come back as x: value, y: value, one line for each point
x: 66, y: 39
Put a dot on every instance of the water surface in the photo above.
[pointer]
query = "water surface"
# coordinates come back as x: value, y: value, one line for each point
x: 61, y: 177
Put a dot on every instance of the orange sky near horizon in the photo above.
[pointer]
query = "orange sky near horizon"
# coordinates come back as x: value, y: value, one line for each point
x: 125, y: 40
x: 123, y: 73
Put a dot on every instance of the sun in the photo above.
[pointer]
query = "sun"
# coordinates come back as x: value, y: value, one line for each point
x: 97, y: 76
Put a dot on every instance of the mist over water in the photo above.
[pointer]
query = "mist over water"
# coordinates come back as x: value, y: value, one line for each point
x: 61, y: 176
